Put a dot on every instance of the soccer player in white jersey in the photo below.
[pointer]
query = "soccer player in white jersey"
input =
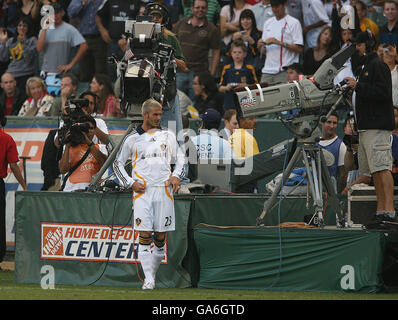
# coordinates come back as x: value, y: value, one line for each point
x: 152, y: 150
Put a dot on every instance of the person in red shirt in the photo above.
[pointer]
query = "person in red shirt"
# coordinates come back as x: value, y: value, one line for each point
x: 8, y: 156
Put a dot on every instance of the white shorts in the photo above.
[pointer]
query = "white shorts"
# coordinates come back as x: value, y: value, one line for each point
x: 154, y: 209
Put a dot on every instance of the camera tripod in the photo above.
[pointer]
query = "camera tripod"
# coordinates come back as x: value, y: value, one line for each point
x: 318, y: 177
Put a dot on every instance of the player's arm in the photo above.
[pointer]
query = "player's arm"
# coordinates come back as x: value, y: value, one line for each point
x: 122, y: 156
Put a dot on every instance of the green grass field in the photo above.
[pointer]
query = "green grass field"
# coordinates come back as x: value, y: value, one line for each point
x: 9, y: 290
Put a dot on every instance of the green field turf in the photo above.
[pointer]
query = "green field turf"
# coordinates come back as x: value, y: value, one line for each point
x: 9, y: 290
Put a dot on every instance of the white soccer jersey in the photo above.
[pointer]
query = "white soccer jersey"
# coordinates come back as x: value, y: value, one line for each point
x: 151, y: 154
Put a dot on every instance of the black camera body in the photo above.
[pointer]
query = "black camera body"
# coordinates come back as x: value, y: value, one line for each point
x: 351, y: 139
x: 72, y: 123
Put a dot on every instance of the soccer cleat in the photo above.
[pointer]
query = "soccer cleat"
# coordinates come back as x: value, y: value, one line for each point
x: 148, y: 285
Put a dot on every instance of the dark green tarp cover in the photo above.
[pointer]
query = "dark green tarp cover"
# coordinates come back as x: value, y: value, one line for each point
x: 289, y: 259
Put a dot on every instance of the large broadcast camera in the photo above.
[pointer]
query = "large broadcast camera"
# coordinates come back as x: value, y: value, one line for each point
x: 305, y: 100
x: 306, y: 103
x: 148, y: 65
x: 72, y: 124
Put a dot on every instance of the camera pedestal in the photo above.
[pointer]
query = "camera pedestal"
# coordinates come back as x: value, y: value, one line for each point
x: 318, y: 178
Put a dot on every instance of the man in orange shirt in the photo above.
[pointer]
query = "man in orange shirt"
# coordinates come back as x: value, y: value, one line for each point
x: 81, y: 177
x: 365, y: 22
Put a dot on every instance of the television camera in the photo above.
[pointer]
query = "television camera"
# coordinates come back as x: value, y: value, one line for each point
x: 305, y: 104
x: 71, y: 118
x: 146, y: 68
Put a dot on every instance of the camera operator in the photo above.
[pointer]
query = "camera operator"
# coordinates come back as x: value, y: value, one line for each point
x: 372, y: 97
x: 160, y: 15
x: 82, y: 158
x: 86, y: 105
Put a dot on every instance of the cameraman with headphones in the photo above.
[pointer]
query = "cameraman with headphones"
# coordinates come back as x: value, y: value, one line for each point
x: 374, y: 115
x: 8, y: 156
x: 161, y: 15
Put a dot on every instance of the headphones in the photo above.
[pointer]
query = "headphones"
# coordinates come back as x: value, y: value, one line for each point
x: 96, y: 98
x: 158, y: 7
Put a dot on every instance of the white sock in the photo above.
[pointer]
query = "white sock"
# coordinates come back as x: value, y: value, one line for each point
x: 145, y: 256
x: 158, y: 254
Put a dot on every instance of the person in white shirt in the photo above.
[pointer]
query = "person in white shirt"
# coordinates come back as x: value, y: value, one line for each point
x: 283, y: 40
x: 314, y: 19
x: 230, y: 124
x: 151, y: 149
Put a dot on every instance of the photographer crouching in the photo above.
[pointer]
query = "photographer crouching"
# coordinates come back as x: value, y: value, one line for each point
x: 81, y: 158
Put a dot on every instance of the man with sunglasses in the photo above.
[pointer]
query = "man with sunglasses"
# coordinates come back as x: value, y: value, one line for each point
x: 94, y: 154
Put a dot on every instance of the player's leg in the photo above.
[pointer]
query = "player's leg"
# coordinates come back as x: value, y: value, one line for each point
x: 143, y: 222
x: 159, y: 251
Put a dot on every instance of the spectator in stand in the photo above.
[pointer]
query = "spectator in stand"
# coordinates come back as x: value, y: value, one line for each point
x: 283, y: 38
x: 229, y: 18
x: 262, y: 12
x: 365, y: 22
x: 58, y: 43
x: 198, y: 37
x: 314, y: 19
x: 11, y: 97
x: 236, y: 75
x: 69, y: 84
x: 110, y: 20
x: 244, y: 145
x: 294, y: 72
x: 94, y: 60
x: 207, y: 93
x: 230, y: 124
x: 20, y: 51
x: 294, y: 8
x: 314, y: 57
x: 389, y: 32
x: 213, y: 10
x: 30, y: 9
x: 109, y: 105
x: 250, y: 35
x: 39, y: 102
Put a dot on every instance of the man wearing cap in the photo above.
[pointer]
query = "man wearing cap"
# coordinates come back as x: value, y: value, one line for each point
x: 208, y: 144
x: 282, y: 39
x: 372, y: 102
x: 58, y: 42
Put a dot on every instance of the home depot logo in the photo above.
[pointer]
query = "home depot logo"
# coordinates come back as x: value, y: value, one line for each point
x: 87, y: 242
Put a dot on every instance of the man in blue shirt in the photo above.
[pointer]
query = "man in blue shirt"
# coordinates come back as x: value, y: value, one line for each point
x: 94, y: 61
x: 208, y: 144
x: 336, y: 150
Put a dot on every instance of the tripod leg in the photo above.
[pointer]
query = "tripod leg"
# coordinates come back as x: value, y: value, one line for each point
x: 270, y: 202
x: 315, y: 182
